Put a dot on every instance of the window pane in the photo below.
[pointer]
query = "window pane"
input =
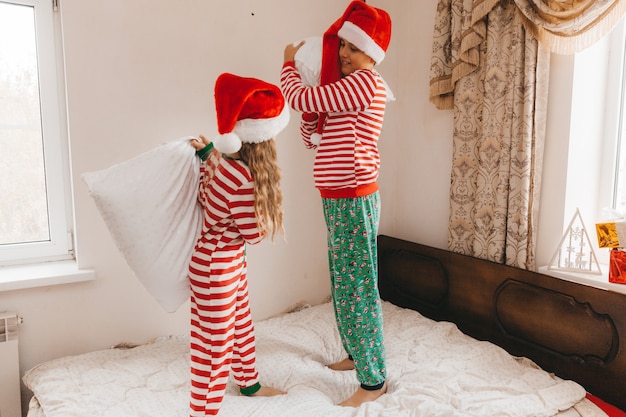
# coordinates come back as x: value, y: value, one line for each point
x: 23, y: 206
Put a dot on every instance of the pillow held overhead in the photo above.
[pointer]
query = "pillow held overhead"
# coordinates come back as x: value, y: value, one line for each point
x: 149, y: 204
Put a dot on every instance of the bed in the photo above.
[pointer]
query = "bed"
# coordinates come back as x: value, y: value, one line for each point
x: 464, y: 337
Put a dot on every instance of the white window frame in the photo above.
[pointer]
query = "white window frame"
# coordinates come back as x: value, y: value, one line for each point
x: 615, y: 100
x: 598, y: 74
x: 55, y: 144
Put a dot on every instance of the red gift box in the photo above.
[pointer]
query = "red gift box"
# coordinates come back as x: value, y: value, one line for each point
x: 617, y: 266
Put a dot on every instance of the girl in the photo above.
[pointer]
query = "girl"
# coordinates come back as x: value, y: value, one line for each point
x: 347, y: 109
x: 240, y: 194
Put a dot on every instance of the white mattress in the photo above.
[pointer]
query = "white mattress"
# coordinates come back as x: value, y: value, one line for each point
x: 433, y: 370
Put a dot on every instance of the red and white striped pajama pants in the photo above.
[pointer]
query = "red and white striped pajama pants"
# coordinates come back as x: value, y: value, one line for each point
x: 222, y: 333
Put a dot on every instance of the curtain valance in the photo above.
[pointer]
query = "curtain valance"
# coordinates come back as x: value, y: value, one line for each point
x: 568, y: 26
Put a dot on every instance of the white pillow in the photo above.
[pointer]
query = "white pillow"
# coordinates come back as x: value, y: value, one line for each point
x: 150, y: 205
x: 308, y: 61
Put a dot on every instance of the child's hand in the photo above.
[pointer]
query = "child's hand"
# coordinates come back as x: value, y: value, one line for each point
x: 291, y: 50
x: 199, y: 144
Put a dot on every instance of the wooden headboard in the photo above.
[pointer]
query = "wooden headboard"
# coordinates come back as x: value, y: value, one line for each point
x: 576, y: 331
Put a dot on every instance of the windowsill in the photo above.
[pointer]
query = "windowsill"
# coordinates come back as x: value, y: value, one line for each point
x: 43, y: 274
x: 598, y: 281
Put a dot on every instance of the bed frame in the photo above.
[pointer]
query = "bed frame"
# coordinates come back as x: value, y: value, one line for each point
x: 573, y: 330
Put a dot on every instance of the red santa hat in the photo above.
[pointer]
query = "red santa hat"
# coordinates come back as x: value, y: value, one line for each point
x: 248, y: 110
x: 366, y: 27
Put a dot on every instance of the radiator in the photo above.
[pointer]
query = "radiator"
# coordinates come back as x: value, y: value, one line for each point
x: 10, y: 399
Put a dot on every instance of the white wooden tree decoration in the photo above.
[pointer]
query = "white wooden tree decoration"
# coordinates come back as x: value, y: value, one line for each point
x: 575, y: 252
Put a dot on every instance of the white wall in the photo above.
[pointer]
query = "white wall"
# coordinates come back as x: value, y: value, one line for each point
x: 416, y: 145
x: 553, y: 185
x: 141, y: 72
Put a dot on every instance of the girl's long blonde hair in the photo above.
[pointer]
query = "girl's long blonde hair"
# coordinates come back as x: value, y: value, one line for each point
x: 261, y: 158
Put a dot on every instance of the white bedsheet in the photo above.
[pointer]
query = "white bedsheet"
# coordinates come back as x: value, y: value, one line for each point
x: 433, y: 370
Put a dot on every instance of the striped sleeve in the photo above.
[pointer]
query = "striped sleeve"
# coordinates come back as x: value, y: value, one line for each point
x: 240, y: 186
x: 228, y: 201
x: 352, y: 93
x: 308, y: 126
x: 242, y: 210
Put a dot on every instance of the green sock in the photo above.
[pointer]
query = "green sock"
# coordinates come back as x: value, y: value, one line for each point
x: 251, y: 390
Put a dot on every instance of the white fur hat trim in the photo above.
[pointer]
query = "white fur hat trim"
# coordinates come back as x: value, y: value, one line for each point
x: 260, y: 130
x: 357, y: 36
x: 251, y: 131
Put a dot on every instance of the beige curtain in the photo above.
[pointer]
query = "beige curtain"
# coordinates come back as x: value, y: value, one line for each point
x: 489, y: 67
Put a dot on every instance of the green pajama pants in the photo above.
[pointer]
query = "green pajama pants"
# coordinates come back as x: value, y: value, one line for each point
x: 352, y: 225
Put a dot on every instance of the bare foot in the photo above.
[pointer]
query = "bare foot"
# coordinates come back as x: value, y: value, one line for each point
x: 362, y: 396
x: 344, y: 365
x: 267, y: 392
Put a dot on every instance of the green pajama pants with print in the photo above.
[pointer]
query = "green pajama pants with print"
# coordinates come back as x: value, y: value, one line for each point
x: 352, y: 225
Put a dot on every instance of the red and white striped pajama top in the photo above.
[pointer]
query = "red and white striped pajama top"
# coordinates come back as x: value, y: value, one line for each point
x: 347, y: 160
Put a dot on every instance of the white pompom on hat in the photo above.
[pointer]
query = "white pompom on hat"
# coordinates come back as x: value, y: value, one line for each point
x: 248, y: 110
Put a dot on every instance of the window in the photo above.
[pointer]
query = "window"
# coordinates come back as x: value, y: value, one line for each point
x: 580, y: 171
x: 596, y: 176
x: 35, y: 204
x: 619, y: 70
